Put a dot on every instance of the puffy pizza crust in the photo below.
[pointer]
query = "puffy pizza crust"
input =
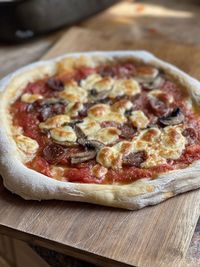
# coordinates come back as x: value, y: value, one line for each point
x: 30, y: 184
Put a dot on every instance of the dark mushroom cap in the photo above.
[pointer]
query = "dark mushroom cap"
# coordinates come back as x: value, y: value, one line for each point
x: 173, y: 118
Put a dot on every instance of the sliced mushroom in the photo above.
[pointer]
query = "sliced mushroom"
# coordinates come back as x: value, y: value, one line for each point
x: 155, y: 84
x: 79, y: 133
x: 48, y: 107
x: 66, y: 143
x: 73, y: 123
x: 134, y: 159
x: 83, y: 156
x: 173, y: 118
x: 94, y: 144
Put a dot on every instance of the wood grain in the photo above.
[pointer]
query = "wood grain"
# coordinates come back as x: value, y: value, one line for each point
x: 155, y: 236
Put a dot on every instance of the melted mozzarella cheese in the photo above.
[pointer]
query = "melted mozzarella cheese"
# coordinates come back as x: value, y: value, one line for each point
x: 89, y: 82
x: 122, y: 106
x: 30, y: 98
x: 161, y: 95
x: 73, y: 93
x: 146, y: 73
x: 103, y: 112
x: 89, y: 126
x: 109, y: 158
x: 172, y: 142
x: 104, y: 84
x: 73, y: 109
x: 139, y: 119
x: 95, y: 81
x: 62, y: 134
x: 57, y: 172
x: 26, y: 144
x: 153, y: 160
x: 99, y: 171
x: 128, y: 87
x: 107, y: 135
x: 124, y: 147
x: 54, y: 122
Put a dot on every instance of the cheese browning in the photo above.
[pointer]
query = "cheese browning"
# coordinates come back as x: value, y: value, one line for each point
x: 26, y: 144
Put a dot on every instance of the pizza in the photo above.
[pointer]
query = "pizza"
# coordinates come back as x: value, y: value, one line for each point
x: 120, y: 129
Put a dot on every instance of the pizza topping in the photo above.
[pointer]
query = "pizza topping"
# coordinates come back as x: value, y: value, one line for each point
x: 74, y: 109
x: 89, y: 82
x: 65, y: 133
x: 89, y: 126
x: 191, y: 135
x: 116, y: 123
x: 53, y: 153
x: 95, y: 96
x: 153, y: 160
x: 127, y: 131
x: 83, y: 156
x: 99, y: 171
x: 172, y: 142
x: 139, y: 119
x: 122, y: 106
x: 26, y: 144
x: 103, y: 112
x: 173, y: 118
x: 134, y: 159
x: 107, y: 135
x: 48, y: 107
x: 73, y: 93
x: 55, y: 84
x: 146, y: 73
x: 155, y: 84
x: 127, y: 87
x: 54, y: 122
x: 30, y: 98
x: 109, y: 158
x: 161, y: 96
x: 159, y: 102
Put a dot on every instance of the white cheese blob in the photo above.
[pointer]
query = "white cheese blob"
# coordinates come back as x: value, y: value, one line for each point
x: 30, y: 98
x: 65, y: 133
x: 73, y: 109
x: 90, y: 80
x: 103, y: 112
x: 139, y: 119
x: 161, y: 95
x: 95, y: 81
x: 128, y: 87
x: 89, y: 126
x: 107, y: 135
x: 26, y: 144
x: 122, y: 106
x: 99, y: 171
x: 153, y: 160
x: 73, y: 93
x: 172, y: 142
x: 109, y: 157
x: 54, y: 122
x: 146, y: 73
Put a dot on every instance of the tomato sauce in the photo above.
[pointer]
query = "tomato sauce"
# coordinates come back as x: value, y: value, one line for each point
x: 29, y: 121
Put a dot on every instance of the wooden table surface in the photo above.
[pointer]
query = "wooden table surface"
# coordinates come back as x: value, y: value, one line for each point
x: 152, y: 20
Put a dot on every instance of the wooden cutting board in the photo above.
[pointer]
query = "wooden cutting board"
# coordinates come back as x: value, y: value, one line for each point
x: 156, y: 236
